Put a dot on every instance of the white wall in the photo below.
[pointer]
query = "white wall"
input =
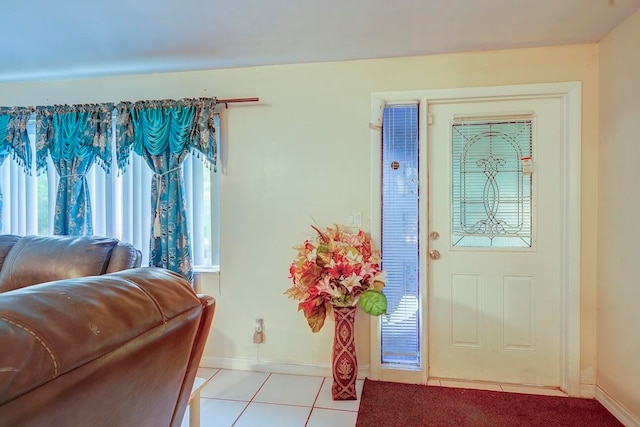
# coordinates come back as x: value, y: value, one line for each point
x: 618, y: 329
x: 303, y: 156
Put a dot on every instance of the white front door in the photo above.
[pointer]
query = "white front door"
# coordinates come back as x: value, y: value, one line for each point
x: 495, y: 240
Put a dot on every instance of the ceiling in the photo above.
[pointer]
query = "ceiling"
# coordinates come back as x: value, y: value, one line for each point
x: 45, y: 39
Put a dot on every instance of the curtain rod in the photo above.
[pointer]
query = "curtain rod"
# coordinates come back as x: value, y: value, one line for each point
x: 228, y: 101
x: 225, y: 101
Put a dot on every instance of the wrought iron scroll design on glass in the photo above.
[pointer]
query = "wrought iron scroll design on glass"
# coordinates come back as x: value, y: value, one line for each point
x: 492, y: 184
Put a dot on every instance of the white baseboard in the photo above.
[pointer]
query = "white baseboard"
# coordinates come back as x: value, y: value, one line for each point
x: 623, y: 415
x: 588, y: 391
x: 323, y: 370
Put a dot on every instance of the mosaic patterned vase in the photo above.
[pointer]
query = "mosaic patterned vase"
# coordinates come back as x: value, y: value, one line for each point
x: 345, y: 363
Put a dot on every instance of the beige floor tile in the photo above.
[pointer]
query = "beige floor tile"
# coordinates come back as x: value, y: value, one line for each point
x: 270, y: 415
x: 207, y: 372
x: 284, y: 389
x: 326, y: 401
x: 234, y: 385
x: 331, y: 417
x: 217, y: 413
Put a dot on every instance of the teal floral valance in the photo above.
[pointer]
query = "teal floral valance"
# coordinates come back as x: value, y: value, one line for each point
x: 14, y: 139
x: 67, y: 132
x: 141, y: 126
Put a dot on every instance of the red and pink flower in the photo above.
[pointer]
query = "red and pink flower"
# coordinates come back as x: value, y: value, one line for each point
x: 337, y: 269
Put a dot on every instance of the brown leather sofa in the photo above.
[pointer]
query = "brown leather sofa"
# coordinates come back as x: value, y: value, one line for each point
x: 36, y: 259
x: 114, y: 349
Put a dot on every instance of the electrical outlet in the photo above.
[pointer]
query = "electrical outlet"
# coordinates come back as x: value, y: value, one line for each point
x: 258, y: 332
x: 259, y: 327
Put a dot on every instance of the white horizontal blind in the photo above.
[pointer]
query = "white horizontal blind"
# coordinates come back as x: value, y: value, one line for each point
x: 202, y: 188
x: 120, y: 204
x: 400, y: 327
x: 17, y: 199
x: 25, y: 209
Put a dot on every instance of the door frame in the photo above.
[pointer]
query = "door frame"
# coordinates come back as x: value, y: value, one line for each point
x: 570, y: 94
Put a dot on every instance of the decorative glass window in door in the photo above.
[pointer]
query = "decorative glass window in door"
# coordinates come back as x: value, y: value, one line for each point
x: 492, y: 195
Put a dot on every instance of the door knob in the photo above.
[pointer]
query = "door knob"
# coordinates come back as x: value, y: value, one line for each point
x: 433, y: 254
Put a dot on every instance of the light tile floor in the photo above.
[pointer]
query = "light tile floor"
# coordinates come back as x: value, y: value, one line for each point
x: 249, y: 399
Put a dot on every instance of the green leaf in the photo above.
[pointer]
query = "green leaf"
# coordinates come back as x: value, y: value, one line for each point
x: 373, y: 302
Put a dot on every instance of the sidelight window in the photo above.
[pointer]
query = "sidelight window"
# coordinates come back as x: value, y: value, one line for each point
x: 400, y: 327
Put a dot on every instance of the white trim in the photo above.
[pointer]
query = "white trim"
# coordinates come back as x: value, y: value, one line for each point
x: 571, y: 95
x: 320, y: 370
x: 572, y: 152
x: 623, y: 415
x: 375, y: 230
x: 588, y: 391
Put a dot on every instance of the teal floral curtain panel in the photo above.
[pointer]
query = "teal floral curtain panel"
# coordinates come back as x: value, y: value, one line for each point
x: 75, y: 137
x: 14, y: 140
x: 164, y: 133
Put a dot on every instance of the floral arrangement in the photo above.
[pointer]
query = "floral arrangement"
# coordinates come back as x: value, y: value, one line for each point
x: 337, y: 269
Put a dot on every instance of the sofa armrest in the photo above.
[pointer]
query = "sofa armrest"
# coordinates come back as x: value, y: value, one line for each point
x: 6, y: 243
x: 57, y: 327
x: 208, y: 308
x: 123, y: 257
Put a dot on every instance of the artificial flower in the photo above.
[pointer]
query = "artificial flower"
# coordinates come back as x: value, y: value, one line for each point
x: 337, y: 269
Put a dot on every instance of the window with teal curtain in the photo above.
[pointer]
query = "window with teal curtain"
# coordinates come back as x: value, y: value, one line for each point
x: 67, y: 140
x: 4, y: 152
x: 400, y: 327
x: 74, y: 137
x: 14, y: 140
x: 163, y: 133
x: 119, y: 202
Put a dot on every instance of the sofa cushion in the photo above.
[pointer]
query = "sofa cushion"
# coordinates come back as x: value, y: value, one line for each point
x: 39, y: 259
x: 6, y: 243
x: 56, y: 327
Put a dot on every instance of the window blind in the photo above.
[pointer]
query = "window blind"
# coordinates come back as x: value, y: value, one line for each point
x: 400, y: 327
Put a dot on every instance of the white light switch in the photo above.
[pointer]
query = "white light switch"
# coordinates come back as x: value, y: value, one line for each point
x: 357, y: 221
x: 354, y: 219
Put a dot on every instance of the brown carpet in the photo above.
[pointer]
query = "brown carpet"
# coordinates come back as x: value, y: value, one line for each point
x: 401, y: 405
